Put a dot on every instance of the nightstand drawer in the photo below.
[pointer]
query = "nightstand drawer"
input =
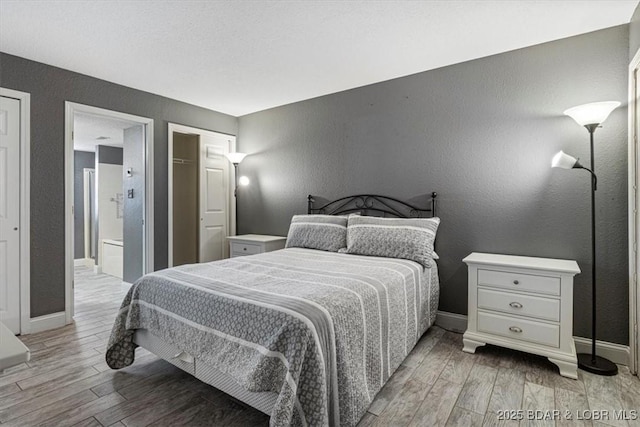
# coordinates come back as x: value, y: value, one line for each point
x: 520, y: 305
x: 519, y: 281
x: 520, y: 329
x: 239, y: 248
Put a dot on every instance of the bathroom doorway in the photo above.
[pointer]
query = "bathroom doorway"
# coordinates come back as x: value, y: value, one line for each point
x: 108, y: 165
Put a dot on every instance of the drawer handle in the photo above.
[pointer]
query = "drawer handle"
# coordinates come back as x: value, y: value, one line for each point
x: 515, y: 329
x: 515, y: 305
x: 244, y: 249
x: 516, y: 282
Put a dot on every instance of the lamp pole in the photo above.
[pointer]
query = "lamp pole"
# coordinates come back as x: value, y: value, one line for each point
x: 592, y: 129
x: 235, y: 193
x: 235, y: 158
x: 592, y: 362
x: 235, y: 190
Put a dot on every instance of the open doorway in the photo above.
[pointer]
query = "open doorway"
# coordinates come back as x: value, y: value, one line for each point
x: 99, y: 190
x: 109, y: 217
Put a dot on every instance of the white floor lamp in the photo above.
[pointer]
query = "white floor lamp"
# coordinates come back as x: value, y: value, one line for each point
x: 236, y: 159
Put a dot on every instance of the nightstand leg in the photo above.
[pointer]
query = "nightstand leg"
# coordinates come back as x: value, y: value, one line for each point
x: 471, y: 345
x: 567, y: 369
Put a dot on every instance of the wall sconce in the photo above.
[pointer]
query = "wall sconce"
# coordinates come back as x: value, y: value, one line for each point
x: 590, y: 116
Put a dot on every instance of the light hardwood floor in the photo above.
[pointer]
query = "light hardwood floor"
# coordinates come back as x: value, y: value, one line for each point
x: 68, y: 383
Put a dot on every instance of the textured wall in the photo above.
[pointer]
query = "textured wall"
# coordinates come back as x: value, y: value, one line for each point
x: 634, y: 33
x: 50, y: 87
x: 82, y: 160
x: 481, y: 134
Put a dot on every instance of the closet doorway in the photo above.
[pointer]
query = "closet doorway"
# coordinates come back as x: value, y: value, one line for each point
x: 201, y: 204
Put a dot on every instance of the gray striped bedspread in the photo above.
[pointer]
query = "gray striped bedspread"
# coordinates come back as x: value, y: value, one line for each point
x: 322, y: 330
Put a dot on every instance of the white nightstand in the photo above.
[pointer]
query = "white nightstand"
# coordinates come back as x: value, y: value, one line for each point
x: 13, y: 351
x: 251, y: 244
x: 523, y: 303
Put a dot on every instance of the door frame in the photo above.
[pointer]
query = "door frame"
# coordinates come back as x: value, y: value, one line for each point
x: 25, y: 205
x: 148, y: 230
x: 173, y: 127
x: 634, y: 219
x: 86, y: 173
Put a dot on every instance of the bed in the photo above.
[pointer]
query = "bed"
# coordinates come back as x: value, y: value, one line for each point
x: 304, y: 335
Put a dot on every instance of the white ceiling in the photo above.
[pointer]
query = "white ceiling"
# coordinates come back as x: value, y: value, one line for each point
x: 239, y: 57
x: 87, y: 128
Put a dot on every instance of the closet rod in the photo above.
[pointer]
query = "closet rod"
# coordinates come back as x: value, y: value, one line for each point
x: 182, y: 161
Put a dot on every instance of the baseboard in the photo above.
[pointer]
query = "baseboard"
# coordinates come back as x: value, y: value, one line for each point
x: 79, y: 262
x: 48, y: 321
x: 617, y: 353
x: 451, y: 321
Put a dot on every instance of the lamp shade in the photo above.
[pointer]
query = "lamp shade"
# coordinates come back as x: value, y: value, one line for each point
x: 235, y: 158
x: 592, y: 114
x: 563, y: 160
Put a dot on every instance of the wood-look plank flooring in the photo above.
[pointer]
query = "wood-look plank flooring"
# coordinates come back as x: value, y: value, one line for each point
x: 67, y: 382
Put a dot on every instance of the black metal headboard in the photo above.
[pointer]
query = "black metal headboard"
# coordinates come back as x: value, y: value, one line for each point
x: 370, y: 204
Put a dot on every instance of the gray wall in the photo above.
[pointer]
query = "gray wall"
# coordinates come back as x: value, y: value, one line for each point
x: 634, y: 33
x: 108, y: 155
x: 133, y: 233
x: 81, y: 160
x: 50, y: 87
x: 481, y: 134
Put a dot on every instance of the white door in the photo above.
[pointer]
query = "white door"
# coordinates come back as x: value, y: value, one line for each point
x: 10, y: 213
x: 214, y: 196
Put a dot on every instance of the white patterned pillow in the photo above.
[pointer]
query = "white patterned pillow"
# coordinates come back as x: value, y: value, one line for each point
x: 410, y: 238
x: 324, y: 232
